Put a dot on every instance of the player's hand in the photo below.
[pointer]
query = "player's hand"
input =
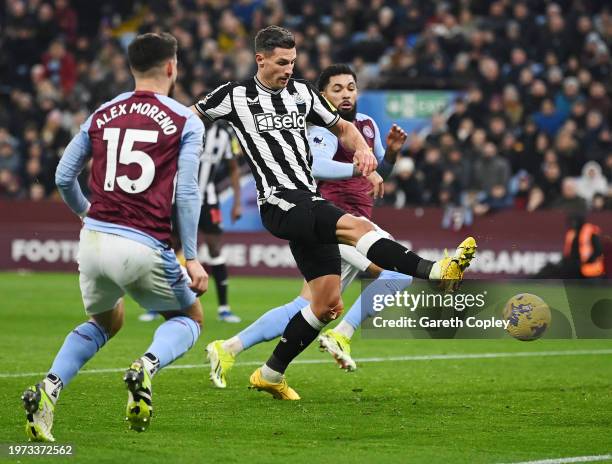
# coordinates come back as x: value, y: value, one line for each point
x: 198, y: 276
x: 365, y: 161
x: 236, y: 212
x: 396, y: 139
x: 378, y: 186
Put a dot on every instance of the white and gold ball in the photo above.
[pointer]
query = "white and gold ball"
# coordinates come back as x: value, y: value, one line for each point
x: 529, y: 316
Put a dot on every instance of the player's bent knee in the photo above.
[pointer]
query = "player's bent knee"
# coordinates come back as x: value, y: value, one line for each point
x: 352, y: 228
x: 337, y: 310
x: 111, y: 321
x: 329, y: 308
x: 195, y: 313
x: 362, y: 227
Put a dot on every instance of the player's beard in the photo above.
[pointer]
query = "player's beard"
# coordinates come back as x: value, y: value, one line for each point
x: 348, y: 115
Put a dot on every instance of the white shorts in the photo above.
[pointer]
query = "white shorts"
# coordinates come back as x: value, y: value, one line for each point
x: 111, y: 266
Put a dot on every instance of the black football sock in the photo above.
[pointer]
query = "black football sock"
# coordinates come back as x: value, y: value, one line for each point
x: 298, y: 334
x: 392, y: 256
x: 219, y: 272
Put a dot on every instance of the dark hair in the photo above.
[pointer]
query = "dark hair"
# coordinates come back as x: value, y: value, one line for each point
x: 334, y: 70
x: 150, y: 50
x: 272, y: 37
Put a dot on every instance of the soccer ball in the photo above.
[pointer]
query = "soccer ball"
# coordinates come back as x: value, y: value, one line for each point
x: 529, y: 316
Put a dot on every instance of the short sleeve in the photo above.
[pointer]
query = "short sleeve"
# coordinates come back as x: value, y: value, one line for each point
x: 322, y: 113
x: 217, y: 104
x: 379, y: 149
x: 322, y: 142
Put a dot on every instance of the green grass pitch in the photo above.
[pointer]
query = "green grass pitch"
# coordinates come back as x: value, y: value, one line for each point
x: 472, y: 410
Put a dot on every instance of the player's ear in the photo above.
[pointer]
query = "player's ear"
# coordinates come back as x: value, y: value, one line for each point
x: 169, y: 67
x: 259, y: 59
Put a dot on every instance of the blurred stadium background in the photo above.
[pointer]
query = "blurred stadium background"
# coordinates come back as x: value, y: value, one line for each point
x: 508, y: 105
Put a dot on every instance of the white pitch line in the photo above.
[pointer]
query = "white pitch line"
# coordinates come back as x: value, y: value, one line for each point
x: 425, y: 357
x: 601, y: 457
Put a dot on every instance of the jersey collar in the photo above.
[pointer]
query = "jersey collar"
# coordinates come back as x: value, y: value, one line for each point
x: 267, y: 89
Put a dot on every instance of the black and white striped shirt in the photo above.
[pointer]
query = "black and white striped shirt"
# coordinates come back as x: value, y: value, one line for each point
x: 218, y: 146
x: 271, y: 127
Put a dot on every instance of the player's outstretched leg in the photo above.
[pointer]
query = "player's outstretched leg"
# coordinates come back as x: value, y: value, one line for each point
x: 171, y: 340
x: 391, y: 255
x: 80, y: 345
x: 337, y: 341
x: 222, y: 354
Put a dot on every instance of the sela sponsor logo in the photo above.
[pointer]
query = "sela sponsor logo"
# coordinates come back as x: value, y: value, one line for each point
x: 266, y: 122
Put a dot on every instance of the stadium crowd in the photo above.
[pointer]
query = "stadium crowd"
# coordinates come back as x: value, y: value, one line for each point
x: 532, y: 129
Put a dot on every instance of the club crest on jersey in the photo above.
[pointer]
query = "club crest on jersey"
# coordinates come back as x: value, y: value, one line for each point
x: 368, y: 132
x: 299, y: 100
x: 266, y: 122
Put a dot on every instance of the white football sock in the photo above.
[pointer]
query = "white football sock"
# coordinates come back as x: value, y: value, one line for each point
x: 151, y: 364
x: 346, y: 329
x: 271, y: 375
x: 436, y: 271
x: 53, y: 387
x: 233, y: 346
x: 313, y: 321
x: 366, y: 241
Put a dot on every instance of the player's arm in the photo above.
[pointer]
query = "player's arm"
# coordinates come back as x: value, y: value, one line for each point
x: 324, y: 115
x: 350, y: 138
x: 188, y: 201
x: 323, y: 145
x: 216, y: 105
x: 234, y: 174
x: 70, y: 166
x: 396, y: 137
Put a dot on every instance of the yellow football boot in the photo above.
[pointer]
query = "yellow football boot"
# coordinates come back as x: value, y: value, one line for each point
x: 450, y: 268
x: 339, y: 346
x: 280, y: 391
x: 39, y: 414
x: 139, y: 409
x: 221, y: 361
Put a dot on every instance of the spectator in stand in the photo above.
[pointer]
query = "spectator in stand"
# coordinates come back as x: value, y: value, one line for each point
x: 405, y: 188
x: 547, y: 189
x: 568, y: 96
x: 591, y: 182
x: 569, y: 199
x: 548, y: 119
x: 490, y: 180
x: 60, y: 66
x: 432, y: 170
